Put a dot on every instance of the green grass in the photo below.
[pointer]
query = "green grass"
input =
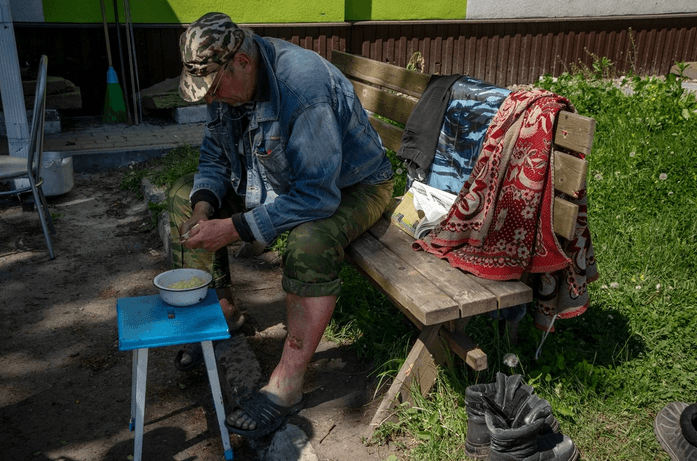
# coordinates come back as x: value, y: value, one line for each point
x: 608, y: 372
x: 163, y: 171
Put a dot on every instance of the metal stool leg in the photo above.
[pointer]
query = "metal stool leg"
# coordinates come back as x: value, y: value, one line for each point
x: 139, y: 377
x: 134, y: 387
x: 211, y: 367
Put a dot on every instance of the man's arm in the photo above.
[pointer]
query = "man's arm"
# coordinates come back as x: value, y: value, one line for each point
x: 214, y: 169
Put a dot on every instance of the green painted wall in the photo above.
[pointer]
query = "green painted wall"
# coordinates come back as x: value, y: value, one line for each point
x: 185, y: 11
x: 403, y: 10
x: 256, y: 11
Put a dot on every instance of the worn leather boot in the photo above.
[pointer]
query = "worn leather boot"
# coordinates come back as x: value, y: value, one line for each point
x: 676, y: 430
x: 510, y: 394
x: 478, y: 437
x: 526, y: 437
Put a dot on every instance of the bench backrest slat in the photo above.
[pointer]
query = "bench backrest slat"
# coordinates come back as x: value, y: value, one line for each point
x: 574, y: 132
x: 386, y: 75
x: 390, y: 134
x: 564, y: 219
x: 569, y: 173
x: 383, y: 102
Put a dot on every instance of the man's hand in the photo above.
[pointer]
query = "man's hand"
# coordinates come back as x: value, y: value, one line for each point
x: 212, y: 235
x: 202, y: 212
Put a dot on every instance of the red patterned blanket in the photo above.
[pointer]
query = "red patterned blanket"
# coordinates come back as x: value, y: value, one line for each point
x: 500, y: 225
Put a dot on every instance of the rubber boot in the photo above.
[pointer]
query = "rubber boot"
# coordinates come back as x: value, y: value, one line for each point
x: 508, y: 393
x: 526, y: 437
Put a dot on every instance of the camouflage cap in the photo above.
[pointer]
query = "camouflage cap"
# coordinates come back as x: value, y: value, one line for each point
x: 206, y: 46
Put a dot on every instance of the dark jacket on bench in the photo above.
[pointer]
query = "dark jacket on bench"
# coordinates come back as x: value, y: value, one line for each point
x: 423, y: 126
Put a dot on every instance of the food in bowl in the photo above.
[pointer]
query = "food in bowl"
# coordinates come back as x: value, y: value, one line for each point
x: 193, y: 282
x: 183, y: 287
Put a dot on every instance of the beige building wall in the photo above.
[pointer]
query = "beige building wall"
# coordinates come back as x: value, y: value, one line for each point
x: 499, y: 9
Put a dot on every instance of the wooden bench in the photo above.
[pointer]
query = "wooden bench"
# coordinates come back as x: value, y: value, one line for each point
x: 436, y: 297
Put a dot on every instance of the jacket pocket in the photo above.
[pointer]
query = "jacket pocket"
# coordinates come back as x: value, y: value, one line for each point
x: 275, y: 168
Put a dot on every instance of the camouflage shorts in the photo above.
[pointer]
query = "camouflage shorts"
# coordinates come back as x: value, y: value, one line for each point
x: 315, y: 250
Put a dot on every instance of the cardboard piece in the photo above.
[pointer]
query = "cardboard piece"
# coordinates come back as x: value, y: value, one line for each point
x: 405, y: 216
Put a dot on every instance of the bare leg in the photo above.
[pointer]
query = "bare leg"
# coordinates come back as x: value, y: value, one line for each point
x: 307, y: 320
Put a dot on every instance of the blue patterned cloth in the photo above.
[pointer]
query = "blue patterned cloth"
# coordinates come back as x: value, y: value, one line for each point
x: 473, y: 104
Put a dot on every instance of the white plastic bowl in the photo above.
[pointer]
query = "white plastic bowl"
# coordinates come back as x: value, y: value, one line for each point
x: 184, y: 296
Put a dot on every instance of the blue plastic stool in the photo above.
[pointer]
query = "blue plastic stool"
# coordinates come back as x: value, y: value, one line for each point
x: 146, y: 322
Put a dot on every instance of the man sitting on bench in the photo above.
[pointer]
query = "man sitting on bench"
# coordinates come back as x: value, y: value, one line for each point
x: 287, y: 147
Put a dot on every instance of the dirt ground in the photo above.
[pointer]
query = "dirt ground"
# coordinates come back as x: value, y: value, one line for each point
x: 65, y: 388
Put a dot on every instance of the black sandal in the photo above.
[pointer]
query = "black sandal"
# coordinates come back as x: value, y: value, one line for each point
x: 268, y: 415
x: 195, y: 352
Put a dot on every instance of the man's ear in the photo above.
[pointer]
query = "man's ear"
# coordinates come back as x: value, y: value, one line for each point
x: 244, y: 61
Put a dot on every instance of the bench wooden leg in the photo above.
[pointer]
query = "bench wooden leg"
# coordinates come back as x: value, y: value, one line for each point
x: 419, y: 367
x: 465, y: 348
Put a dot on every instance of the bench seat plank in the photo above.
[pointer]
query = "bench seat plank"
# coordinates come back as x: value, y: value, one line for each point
x: 471, y: 297
x: 508, y: 292
x: 402, y: 283
x: 473, y: 294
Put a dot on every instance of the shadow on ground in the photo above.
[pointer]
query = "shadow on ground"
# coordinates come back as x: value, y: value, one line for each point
x: 65, y: 387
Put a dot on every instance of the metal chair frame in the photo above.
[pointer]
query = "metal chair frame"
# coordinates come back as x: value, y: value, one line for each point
x: 34, y: 159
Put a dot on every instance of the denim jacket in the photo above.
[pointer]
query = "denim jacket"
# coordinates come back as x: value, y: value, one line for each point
x: 311, y: 139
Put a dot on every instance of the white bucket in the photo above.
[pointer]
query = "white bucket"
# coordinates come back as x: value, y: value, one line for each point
x: 57, y: 172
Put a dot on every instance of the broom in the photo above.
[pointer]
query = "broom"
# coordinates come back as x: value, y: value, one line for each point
x: 114, y: 105
x: 123, y: 72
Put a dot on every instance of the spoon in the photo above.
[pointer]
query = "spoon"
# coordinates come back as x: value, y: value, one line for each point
x: 183, y: 238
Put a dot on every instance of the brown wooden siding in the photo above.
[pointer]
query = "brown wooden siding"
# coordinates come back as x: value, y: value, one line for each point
x: 500, y: 52
x: 520, y: 52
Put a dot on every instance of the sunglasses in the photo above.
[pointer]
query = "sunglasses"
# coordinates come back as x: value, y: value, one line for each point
x: 218, y: 77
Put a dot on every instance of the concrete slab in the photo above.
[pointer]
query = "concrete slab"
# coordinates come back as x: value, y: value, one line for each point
x: 289, y: 443
x: 189, y: 114
x: 689, y: 72
x: 238, y: 368
x: 52, y: 122
x: 96, y: 161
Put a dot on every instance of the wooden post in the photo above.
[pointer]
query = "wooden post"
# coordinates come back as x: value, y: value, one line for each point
x: 419, y: 368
